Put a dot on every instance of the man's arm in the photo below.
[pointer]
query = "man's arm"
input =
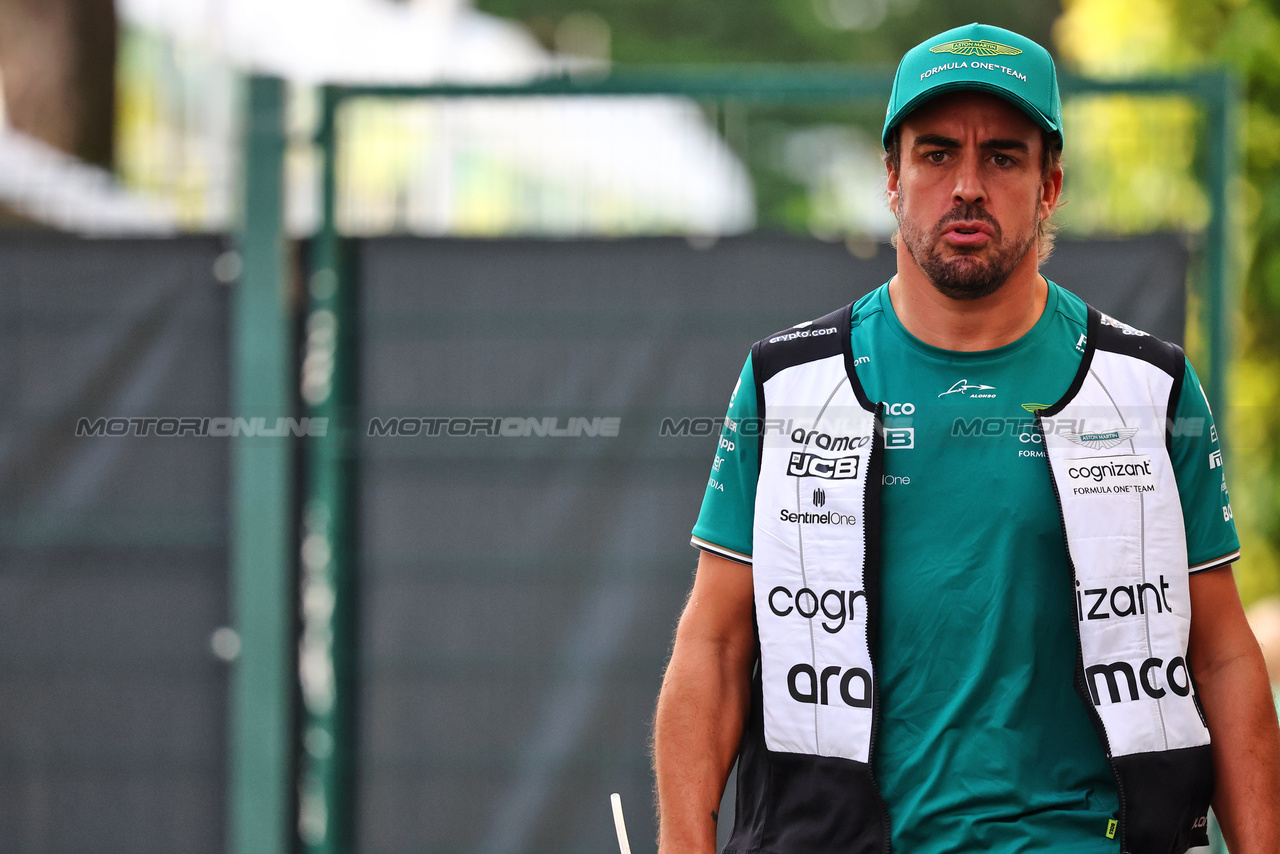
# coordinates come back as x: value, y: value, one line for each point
x: 1231, y: 678
x: 702, y: 706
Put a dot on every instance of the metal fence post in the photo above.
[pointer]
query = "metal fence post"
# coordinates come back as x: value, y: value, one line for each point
x: 327, y: 650
x: 261, y: 714
x: 1221, y: 100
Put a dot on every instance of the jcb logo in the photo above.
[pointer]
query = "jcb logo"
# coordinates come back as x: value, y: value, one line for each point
x: 802, y: 464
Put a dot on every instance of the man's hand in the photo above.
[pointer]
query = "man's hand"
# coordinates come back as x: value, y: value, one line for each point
x: 703, y: 704
x: 1231, y: 680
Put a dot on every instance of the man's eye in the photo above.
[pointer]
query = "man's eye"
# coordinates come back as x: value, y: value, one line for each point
x: 936, y: 156
x: 1002, y: 160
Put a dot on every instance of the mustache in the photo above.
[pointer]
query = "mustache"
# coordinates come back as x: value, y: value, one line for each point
x: 970, y: 212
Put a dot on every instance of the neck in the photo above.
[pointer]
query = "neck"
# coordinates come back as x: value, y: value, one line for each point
x: 968, y: 325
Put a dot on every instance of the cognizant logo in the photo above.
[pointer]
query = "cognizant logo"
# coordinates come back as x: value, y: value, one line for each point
x: 837, y: 607
x: 1100, y: 471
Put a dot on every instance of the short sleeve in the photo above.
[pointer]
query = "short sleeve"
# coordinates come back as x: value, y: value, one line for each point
x: 1202, y: 482
x: 724, y: 525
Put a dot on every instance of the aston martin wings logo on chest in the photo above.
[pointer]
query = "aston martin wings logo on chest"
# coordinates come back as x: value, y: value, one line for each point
x: 969, y: 47
x: 1101, y: 441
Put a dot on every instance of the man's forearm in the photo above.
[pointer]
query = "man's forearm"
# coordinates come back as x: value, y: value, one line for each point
x: 697, y: 730
x: 702, y: 706
x: 1238, y: 704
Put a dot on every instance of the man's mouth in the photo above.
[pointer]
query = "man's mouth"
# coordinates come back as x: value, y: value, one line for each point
x: 968, y: 234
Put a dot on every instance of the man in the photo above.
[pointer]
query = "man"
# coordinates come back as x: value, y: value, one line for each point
x: 965, y: 543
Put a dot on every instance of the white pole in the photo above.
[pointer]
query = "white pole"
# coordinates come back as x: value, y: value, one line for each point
x: 618, y: 824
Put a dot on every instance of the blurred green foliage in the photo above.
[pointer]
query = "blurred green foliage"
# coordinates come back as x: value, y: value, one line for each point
x: 869, y: 32
x: 700, y: 31
x: 1245, y: 34
x: 1169, y: 35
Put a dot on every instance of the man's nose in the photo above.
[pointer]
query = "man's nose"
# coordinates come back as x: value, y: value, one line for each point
x: 969, y: 186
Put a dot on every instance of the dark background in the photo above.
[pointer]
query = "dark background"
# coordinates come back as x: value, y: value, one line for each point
x: 518, y: 595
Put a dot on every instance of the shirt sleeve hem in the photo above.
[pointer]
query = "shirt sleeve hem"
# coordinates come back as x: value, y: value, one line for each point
x: 721, y: 551
x: 1215, y: 563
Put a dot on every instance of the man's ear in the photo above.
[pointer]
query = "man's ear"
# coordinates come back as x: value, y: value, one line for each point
x: 891, y: 187
x: 1050, y: 192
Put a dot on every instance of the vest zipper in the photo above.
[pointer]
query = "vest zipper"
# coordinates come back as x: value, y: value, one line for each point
x: 875, y: 475
x: 1082, y: 685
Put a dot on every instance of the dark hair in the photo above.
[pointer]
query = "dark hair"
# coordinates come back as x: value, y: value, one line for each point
x: 1050, y: 159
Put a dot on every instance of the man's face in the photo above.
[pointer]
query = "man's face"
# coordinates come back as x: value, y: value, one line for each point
x: 969, y: 194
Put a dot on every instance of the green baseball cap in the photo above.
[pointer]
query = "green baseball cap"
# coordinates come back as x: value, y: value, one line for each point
x: 978, y: 56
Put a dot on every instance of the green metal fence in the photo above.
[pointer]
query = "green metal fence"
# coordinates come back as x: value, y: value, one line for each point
x: 264, y: 735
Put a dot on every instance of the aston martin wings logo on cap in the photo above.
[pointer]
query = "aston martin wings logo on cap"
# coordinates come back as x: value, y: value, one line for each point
x: 969, y: 47
x: 1101, y: 441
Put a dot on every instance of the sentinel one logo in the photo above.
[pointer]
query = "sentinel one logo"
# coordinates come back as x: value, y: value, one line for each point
x: 828, y: 518
x: 819, y: 498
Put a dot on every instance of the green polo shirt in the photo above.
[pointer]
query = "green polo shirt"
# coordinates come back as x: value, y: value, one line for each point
x: 983, y: 744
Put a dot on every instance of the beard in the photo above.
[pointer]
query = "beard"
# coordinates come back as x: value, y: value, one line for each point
x: 965, y: 273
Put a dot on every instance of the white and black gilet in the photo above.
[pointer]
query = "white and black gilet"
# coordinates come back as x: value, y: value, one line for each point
x: 805, y: 768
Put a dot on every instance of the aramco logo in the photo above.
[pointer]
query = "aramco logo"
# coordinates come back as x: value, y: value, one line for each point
x: 819, y: 498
